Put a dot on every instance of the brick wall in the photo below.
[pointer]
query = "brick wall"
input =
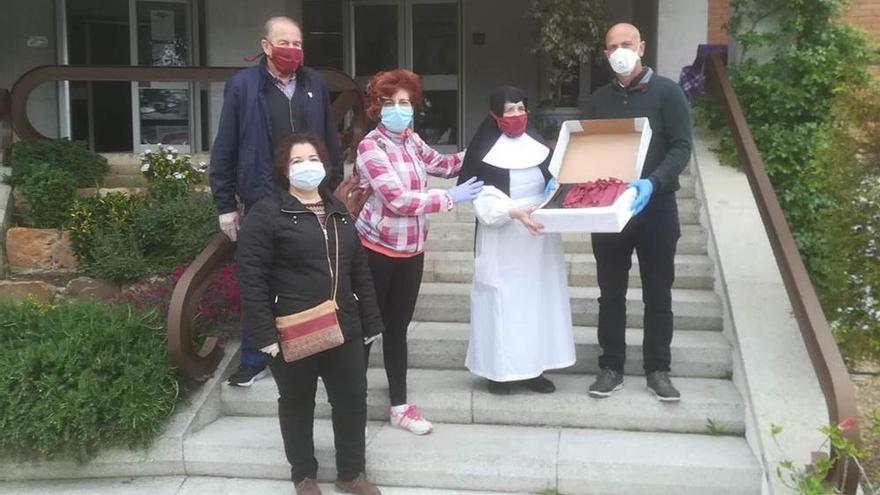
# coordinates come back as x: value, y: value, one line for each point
x: 865, y: 14
x: 719, y: 13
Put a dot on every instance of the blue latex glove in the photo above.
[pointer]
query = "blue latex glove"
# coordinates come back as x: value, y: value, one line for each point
x: 551, y: 185
x: 644, y: 188
x: 466, y: 191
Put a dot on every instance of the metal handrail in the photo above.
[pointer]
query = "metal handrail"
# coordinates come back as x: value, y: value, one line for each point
x: 824, y: 354
x: 5, y: 126
x: 194, y: 364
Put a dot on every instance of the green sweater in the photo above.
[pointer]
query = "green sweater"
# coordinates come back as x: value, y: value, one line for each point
x: 664, y: 104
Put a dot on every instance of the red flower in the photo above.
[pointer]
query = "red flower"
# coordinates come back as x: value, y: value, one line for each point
x: 847, y: 424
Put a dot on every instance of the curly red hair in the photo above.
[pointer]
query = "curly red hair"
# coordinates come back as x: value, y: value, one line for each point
x: 383, y: 85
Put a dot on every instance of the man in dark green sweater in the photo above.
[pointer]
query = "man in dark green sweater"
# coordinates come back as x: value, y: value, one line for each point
x: 653, y: 232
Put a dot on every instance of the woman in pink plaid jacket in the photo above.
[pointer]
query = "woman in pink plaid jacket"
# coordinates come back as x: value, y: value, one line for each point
x: 394, y: 163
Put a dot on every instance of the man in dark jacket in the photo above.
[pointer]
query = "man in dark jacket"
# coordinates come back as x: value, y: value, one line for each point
x: 261, y: 105
x: 653, y: 233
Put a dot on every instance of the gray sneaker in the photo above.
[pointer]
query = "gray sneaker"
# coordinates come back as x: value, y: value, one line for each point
x: 608, y: 382
x: 659, y: 383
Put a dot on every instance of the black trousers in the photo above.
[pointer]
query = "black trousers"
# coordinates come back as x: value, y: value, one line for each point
x: 653, y: 234
x: 397, y: 282
x: 342, y: 370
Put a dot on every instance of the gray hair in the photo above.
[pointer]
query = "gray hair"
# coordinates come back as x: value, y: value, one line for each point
x: 267, y: 28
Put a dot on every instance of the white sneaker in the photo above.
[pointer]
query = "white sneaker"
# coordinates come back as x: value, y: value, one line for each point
x: 412, y: 421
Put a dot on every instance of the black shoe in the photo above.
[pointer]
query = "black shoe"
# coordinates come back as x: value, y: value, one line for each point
x: 539, y: 384
x: 659, y: 383
x: 608, y: 382
x: 246, y: 375
x: 499, y: 388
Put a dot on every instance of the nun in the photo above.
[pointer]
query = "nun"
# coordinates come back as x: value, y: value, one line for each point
x: 520, y: 312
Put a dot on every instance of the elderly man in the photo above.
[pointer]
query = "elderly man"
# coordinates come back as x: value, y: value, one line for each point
x: 636, y: 91
x: 261, y: 105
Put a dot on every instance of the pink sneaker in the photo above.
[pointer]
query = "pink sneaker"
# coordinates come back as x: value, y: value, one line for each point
x: 412, y: 421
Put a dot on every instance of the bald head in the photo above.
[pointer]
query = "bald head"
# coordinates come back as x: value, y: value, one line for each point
x: 280, y: 22
x: 627, y: 37
x: 624, y: 30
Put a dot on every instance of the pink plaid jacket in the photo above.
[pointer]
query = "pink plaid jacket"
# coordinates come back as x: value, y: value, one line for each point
x: 394, y: 169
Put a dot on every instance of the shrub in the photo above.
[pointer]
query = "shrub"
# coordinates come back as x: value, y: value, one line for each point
x: 87, y: 168
x: 49, y: 192
x: 81, y: 376
x: 125, y: 238
x: 170, y: 174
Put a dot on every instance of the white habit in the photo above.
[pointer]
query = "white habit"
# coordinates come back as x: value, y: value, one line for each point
x: 520, y: 312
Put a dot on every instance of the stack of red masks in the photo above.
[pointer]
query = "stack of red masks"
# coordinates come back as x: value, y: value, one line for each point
x: 602, y: 192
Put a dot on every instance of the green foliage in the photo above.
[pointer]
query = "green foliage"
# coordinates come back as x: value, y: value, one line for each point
x: 170, y: 174
x: 79, y: 377
x: 50, y: 192
x: 124, y: 238
x: 569, y: 33
x: 809, y: 57
x: 87, y: 168
x: 847, y: 271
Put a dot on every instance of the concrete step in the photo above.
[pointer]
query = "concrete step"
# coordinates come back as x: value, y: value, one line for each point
x: 695, y: 353
x: 693, y: 309
x: 692, y: 271
x: 686, y: 181
x: 499, y: 458
x: 448, y: 396
x: 191, y: 485
x: 459, y: 236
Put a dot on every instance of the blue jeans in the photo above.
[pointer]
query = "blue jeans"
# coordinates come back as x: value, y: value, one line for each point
x: 249, y: 355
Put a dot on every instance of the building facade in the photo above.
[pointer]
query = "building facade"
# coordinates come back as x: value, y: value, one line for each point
x: 462, y: 48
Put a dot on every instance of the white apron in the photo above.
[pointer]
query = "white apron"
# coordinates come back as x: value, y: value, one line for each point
x: 520, y: 312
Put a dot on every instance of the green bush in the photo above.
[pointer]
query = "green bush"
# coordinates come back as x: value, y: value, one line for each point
x: 79, y: 377
x: 50, y: 192
x: 169, y: 173
x: 88, y: 168
x: 848, y: 251
x: 123, y: 238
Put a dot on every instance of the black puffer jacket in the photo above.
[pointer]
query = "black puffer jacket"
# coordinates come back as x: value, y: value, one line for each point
x: 283, y: 253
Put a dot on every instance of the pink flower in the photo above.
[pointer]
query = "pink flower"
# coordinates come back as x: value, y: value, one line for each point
x: 847, y: 424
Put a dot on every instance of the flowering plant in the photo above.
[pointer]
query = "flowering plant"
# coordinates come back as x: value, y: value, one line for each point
x: 219, y: 306
x: 812, y: 480
x: 170, y: 173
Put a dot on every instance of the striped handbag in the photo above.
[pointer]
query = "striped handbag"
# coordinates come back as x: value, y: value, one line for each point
x: 316, y: 329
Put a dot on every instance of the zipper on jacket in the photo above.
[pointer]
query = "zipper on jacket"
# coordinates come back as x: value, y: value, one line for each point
x: 326, y: 240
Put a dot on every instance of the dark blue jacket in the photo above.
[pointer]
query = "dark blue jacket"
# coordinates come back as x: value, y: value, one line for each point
x: 241, y: 158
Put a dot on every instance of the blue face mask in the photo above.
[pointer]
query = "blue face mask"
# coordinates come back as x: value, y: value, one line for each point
x: 306, y: 176
x: 396, y: 118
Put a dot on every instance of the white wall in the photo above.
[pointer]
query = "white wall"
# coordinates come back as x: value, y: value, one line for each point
x: 681, y: 26
x: 20, y: 19
x: 504, y: 59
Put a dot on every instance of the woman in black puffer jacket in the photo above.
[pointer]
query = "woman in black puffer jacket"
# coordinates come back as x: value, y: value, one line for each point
x: 285, y: 248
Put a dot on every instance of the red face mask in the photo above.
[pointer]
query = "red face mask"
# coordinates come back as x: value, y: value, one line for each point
x: 287, y: 59
x: 512, y: 126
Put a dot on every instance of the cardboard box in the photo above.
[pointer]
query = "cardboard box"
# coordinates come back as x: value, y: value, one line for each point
x: 588, y: 150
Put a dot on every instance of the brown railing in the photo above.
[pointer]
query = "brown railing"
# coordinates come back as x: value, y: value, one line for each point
x: 824, y: 353
x: 195, y: 364
x: 5, y: 126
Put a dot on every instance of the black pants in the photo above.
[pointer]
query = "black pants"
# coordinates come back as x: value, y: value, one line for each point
x: 342, y: 370
x: 653, y: 234
x: 397, y: 282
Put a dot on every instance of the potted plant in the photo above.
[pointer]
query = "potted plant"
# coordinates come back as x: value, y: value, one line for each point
x: 569, y: 34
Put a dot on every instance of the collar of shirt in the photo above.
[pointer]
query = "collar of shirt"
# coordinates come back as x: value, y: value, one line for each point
x: 288, y: 87
x: 640, y: 83
x: 396, y: 137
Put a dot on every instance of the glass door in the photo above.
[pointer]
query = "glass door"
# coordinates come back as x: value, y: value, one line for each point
x: 420, y: 35
x: 162, y: 111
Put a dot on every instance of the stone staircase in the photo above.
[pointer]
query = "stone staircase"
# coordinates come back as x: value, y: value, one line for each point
x: 528, y: 443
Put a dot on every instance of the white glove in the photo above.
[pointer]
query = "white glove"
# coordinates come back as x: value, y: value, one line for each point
x: 229, y: 224
x: 272, y: 350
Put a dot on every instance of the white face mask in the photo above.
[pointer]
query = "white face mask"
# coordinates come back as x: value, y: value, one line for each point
x: 623, y: 61
x: 306, y: 176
